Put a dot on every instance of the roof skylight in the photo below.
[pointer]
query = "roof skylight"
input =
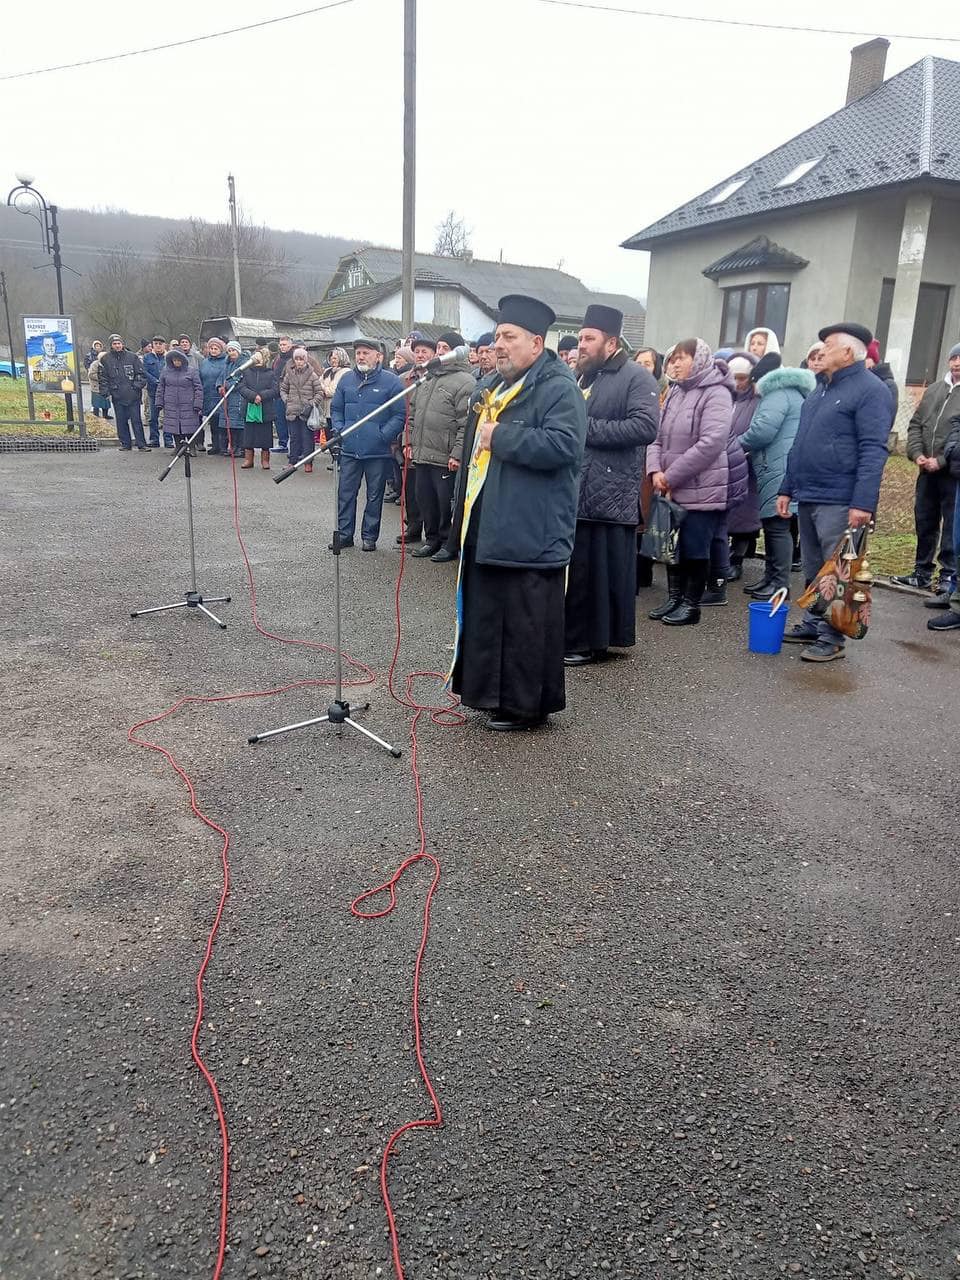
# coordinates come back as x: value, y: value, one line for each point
x: 799, y: 172
x: 726, y: 192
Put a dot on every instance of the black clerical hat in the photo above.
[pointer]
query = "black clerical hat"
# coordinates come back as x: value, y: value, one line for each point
x: 527, y: 313
x: 606, y: 319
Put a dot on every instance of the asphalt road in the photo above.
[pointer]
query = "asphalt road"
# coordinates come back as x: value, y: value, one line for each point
x: 690, y: 998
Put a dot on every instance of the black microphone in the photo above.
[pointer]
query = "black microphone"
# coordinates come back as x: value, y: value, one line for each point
x: 448, y: 357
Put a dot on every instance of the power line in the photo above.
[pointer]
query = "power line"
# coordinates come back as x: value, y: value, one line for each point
x: 176, y: 44
x: 741, y: 22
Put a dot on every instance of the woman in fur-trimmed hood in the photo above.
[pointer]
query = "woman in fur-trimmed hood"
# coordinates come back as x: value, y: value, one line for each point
x: 768, y: 441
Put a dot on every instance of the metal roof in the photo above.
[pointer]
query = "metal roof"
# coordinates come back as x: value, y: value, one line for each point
x: 488, y: 281
x: 251, y: 327
x: 758, y: 253
x: 349, y: 304
x: 392, y: 330
x: 904, y: 132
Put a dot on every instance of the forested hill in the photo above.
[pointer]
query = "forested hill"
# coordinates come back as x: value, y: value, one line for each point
x: 140, y: 273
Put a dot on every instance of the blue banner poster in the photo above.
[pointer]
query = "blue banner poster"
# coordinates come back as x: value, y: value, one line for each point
x: 51, y: 359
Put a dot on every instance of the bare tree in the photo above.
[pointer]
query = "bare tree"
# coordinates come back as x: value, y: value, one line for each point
x: 111, y: 298
x: 453, y: 237
x: 192, y: 278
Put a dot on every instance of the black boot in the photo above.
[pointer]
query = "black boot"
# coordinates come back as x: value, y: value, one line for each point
x: 716, y: 592
x: 687, y: 612
x: 674, y: 595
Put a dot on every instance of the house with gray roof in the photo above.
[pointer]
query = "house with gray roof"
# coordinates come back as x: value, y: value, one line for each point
x: 857, y: 218
x: 364, y: 296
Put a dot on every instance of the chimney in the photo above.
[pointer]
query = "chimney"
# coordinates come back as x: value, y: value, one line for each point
x: 867, y: 64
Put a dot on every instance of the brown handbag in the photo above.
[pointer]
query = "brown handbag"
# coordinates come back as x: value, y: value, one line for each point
x: 842, y: 592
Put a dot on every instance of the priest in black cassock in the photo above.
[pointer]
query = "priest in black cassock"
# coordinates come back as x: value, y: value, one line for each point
x: 623, y: 414
x: 518, y: 496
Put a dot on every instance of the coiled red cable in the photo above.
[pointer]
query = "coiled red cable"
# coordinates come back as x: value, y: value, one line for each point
x: 441, y: 714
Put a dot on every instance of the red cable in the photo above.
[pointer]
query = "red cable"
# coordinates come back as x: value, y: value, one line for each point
x: 445, y: 714
x: 132, y: 736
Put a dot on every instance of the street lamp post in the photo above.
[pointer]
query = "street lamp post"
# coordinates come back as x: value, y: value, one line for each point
x: 6, y: 308
x: 50, y: 238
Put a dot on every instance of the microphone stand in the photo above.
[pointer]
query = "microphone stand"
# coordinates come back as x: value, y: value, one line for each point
x: 194, y: 598
x: 339, y: 712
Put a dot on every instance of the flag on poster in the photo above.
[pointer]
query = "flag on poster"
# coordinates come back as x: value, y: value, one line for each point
x: 51, y: 358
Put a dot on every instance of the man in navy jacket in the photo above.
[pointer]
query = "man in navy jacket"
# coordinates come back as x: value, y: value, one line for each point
x: 153, y: 361
x: 365, y: 454
x: 835, y: 466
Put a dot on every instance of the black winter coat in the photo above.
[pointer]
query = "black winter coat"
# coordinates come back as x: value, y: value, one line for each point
x: 528, y: 512
x: 263, y: 383
x: 885, y: 374
x: 122, y: 376
x: 623, y: 414
x: 951, y: 448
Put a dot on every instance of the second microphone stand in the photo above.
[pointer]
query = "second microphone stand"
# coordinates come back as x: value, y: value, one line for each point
x: 194, y: 598
x: 339, y: 712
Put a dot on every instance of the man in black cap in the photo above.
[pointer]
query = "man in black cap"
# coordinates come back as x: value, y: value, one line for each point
x: 436, y: 423
x: 835, y: 467
x: 521, y: 460
x: 623, y: 413
x: 365, y: 453
x: 486, y: 355
x: 568, y: 349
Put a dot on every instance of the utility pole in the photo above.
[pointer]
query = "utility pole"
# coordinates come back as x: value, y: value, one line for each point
x: 409, y: 159
x: 6, y: 308
x: 236, y: 244
x: 58, y: 272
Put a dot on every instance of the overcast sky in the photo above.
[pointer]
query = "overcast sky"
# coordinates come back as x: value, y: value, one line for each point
x: 555, y: 132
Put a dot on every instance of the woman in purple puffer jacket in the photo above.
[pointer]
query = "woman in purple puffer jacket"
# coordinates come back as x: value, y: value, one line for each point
x: 688, y: 463
x: 179, y: 397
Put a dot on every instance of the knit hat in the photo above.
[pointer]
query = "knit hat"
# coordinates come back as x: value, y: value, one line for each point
x: 741, y: 362
x: 115, y: 337
x: 300, y: 351
x: 234, y: 345
x: 405, y: 354
x: 954, y: 351
x: 766, y: 364
x: 452, y: 339
x: 873, y: 351
x: 568, y: 343
x: 485, y: 340
x: 219, y: 343
x: 181, y: 336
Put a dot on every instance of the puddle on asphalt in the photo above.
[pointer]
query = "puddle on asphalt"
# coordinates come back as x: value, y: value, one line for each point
x: 923, y: 652
x: 838, y: 678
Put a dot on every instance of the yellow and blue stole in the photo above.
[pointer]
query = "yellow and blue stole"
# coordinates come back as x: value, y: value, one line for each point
x: 489, y: 407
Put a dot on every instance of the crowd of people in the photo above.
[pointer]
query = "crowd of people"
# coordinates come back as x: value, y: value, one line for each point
x: 535, y: 470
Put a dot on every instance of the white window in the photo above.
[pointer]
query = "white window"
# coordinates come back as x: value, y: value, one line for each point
x: 799, y: 172
x: 356, y: 276
x: 727, y: 191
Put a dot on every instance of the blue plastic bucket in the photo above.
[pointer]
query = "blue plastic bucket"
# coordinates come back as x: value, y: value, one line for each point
x: 766, y: 631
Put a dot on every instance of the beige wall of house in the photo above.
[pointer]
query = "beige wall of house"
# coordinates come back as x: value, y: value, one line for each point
x: 681, y: 301
x: 850, y: 250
